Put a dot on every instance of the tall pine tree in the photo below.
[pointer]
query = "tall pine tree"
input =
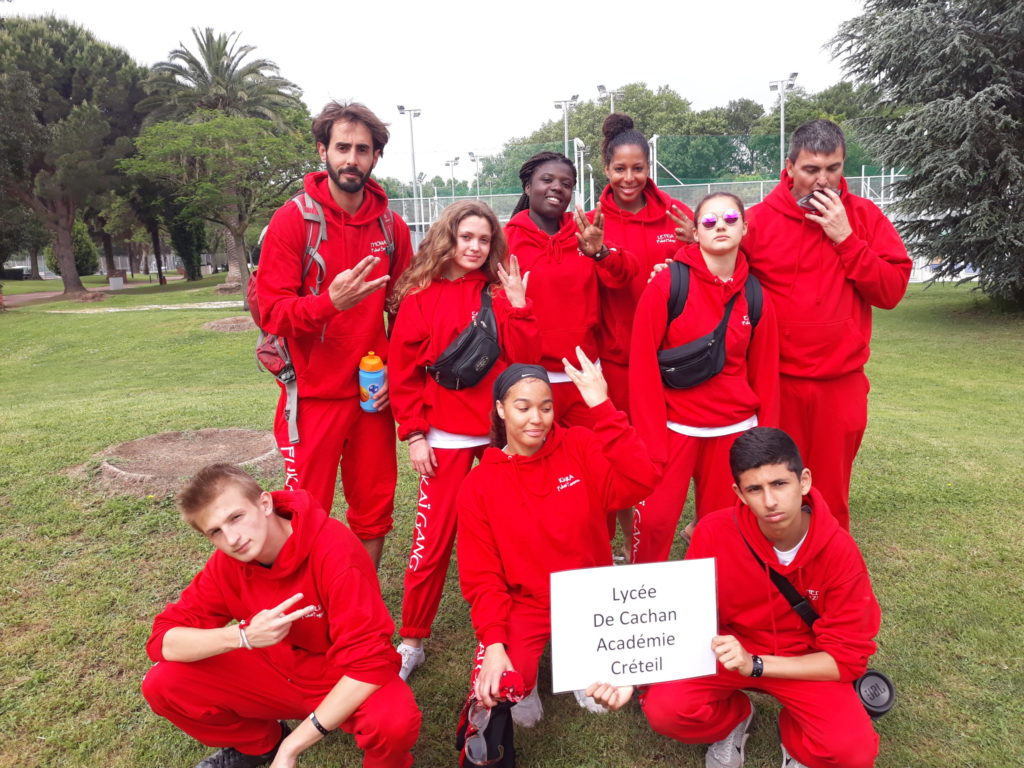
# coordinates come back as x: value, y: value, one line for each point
x: 952, y: 74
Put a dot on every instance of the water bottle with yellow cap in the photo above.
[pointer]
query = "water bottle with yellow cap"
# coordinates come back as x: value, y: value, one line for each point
x: 371, y: 379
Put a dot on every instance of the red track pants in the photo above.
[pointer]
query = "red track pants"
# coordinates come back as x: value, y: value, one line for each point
x: 529, y: 632
x: 432, y: 538
x: 706, y: 460
x: 827, y: 418
x: 337, y: 432
x: 617, y: 376
x: 235, y: 700
x: 822, y: 724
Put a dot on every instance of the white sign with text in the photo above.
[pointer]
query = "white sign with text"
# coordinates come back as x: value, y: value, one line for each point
x: 633, y: 624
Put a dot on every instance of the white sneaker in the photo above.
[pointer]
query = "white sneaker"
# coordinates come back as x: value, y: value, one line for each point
x: 589, y: 703
x: 528, y: 712
x: 728, y: 753
x: 412, y: 657
x: 788, y: 761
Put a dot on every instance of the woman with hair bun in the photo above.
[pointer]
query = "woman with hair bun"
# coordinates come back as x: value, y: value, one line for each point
x: 457, y: 267
x: 648, y: 224
x: 567, y: 257
x: 689, y: 425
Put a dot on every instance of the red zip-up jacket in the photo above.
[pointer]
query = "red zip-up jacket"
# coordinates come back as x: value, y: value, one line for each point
x: 326, y: 343
x: 649, y: 235
x: 749, y: 381
x: 349, y: 633
x: 823, y: 293
x: 428, y: 321
x: 563, y: 285
x: 521, y: 518
x: 828, y: 570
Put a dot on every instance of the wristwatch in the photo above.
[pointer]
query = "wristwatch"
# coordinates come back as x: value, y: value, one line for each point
x: 758, y: 669
x: 605, y: 251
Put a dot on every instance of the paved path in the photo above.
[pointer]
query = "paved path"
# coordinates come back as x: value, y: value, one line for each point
x: 21, y: 299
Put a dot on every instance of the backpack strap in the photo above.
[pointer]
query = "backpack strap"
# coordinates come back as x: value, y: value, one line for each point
x: 755, y: 300
x: 387, y: 227
x: 316, y: 233
x: 679, y: 288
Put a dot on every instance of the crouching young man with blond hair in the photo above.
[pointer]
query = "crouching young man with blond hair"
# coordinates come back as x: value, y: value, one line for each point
x: 284, y: 622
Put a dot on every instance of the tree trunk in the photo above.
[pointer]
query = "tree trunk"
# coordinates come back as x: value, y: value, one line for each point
x: 238, y: 270
x: 64, y: 211
x: 154, y: 233
x: 108, y: 255
x: 33, y: 260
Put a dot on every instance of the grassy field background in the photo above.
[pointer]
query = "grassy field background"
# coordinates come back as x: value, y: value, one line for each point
x: 937, y: 499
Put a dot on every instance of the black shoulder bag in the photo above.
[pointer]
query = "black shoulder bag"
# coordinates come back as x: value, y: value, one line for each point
x: 697, y: 361
x: 473, y: 352
x: 876, y: 691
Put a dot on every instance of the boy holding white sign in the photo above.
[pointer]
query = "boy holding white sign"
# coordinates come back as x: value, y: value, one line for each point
x: 779, y: 523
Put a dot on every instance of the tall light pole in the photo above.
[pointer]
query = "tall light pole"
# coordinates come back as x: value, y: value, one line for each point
x: 417, y: 208
x: 451, y: 164
x: 476, y: 172
x: 566, y: 106
x: 782, y: 86
x: 604, y: 93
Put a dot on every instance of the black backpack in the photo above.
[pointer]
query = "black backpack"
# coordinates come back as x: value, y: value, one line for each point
x: 697, y: 361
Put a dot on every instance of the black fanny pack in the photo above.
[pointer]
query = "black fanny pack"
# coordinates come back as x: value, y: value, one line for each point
x: 696, y: 361
x: 472, y: 354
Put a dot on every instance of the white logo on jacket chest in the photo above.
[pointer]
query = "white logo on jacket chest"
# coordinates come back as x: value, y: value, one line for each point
x: 667, y: 237
x: 745, y: 320
x: 813, y: 595
x: 376, y: 246
x: 567, y: 482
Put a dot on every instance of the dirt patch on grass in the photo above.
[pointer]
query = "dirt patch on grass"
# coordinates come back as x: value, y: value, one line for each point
x: 231, y: 324
x: 160, y: 464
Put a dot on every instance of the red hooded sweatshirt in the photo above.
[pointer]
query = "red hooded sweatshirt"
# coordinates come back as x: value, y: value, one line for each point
x: 326, y: 343
x: 521, y: 518
x: 748, y: 383
x: 823, y: 293
x: 428, y: 321
x: 563, y: 285
x: 350, y: 632
x: 649, y: 235
x: 828, y: 569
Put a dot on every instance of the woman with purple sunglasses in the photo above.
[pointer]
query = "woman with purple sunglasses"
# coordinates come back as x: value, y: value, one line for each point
x: 704, y: 367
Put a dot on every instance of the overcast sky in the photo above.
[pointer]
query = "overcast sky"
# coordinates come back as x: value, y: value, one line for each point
x: 484, y: 72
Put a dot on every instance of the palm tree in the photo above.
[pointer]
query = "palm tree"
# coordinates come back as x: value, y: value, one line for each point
x: 217, y: 78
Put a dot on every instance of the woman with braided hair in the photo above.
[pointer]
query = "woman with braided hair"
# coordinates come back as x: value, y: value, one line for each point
x: 567, y: 257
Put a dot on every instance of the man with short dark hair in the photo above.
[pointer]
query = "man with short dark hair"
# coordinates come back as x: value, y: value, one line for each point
x: 330, y: 327
x: 285, y: 621
x: 826, y: 257
x: 779, y: 523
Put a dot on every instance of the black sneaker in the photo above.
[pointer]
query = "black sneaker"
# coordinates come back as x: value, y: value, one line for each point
x: 229, y: 757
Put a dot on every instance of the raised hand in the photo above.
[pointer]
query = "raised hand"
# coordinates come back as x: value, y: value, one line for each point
x: 831, y: 215
x: 271, y: 625
x: 350, y: 287
x: 686, y: 232
x: 590, y: 235
x: 513, y: 283
x: 588, y: 379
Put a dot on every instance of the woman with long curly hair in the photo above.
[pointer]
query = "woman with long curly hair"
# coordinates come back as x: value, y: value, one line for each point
x: 453, y: 276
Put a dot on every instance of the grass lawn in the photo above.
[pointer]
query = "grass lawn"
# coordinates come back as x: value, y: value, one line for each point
x: 936, y: 507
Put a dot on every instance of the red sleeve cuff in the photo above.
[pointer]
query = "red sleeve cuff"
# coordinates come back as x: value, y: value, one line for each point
x: 323, y: 306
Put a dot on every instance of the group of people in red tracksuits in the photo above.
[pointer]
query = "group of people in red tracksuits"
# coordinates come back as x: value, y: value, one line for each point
x: 591, y: 364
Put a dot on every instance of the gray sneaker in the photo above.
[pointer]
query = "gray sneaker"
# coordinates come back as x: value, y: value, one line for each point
x: 229, y: 757
x: 728, y: 753
x: 788, y: 761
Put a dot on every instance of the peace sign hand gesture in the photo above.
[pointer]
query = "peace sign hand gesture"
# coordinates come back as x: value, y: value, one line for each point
x: 513, y: 283
x: 591, y: 234
x: 685, y: 230
x: 271, y: 625
x: 588, y: 379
